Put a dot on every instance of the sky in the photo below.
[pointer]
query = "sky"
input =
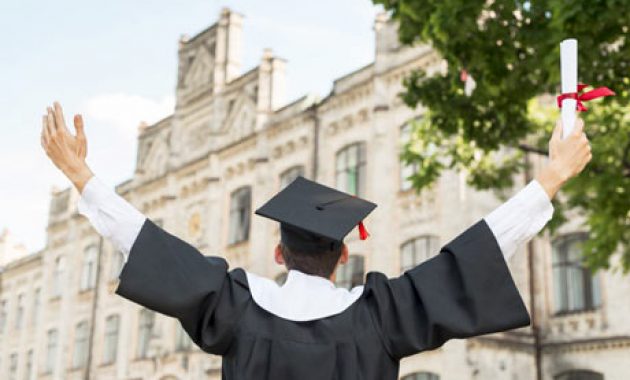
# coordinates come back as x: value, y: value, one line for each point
x: 115, y: 62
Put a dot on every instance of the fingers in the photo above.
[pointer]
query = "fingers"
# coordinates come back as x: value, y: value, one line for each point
x: 557, y: 131
x: 44, y: 136
x: 78, y: 126
x: 50, y: 123
x: 579, y: 127
x: 58, y: 113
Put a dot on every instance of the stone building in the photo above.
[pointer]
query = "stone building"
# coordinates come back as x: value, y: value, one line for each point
x: 230, y: 144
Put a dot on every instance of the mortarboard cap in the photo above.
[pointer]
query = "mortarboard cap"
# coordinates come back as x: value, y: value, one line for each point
x: 314, y: 217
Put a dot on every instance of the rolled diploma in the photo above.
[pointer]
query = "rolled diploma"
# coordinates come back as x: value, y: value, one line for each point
x: 568, y: 72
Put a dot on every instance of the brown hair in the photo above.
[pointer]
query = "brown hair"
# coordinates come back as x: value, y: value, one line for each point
x: 317, y: 264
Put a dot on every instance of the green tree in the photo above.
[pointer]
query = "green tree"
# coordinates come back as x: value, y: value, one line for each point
x: 511, y: 49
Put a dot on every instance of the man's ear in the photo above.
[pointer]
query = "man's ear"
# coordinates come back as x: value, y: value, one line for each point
x: 344, y: 255
x: 277, y: 255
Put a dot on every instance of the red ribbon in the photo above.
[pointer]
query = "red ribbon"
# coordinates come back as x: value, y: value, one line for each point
x: 363, y: 234
x: 584, y: 97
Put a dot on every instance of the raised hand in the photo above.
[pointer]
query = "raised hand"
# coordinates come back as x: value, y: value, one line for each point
x: 65, y: 150
x: 567, y: 157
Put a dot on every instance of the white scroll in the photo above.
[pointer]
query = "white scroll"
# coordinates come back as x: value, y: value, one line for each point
x: 568, y: 71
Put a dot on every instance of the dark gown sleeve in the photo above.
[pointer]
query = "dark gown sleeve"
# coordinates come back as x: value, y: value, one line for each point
x: 464, y: 291
x: 168, y: 275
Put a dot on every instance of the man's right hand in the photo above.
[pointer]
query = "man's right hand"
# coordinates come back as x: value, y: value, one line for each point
x: 66, y: 151
x: 567, y: 157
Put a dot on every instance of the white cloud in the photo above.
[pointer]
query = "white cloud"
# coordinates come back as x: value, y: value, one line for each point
x: 124, y: 112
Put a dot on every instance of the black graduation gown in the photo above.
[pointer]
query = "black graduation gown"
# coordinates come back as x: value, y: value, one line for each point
x: 464, y: 291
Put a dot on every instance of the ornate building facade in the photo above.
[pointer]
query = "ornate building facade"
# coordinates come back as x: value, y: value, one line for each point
x: 231, y: 143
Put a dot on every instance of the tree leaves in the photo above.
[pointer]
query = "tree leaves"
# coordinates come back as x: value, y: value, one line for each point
x: 511, y: 50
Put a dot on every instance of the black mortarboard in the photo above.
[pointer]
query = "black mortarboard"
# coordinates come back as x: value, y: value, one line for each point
x: 315, y: 217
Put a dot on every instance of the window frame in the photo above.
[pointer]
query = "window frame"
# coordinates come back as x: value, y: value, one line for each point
x: 52, y: 345
x: 19, y: 311
x: 432, y: 247
x: 352, y: 273
x: 579, y: 374
x: 359, y: 167
x: 421, y: 375
x: 89, y: 268
x: 563, y: 266
x: 111, y: 338
x: 59, y: 272
x: 81, y: 344
x: 241, y: 209
x: 146, y: 324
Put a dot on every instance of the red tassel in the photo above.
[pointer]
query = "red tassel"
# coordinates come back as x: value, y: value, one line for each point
x: 363, y: 234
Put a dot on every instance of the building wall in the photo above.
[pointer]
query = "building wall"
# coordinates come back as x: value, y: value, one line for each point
x: 231, y: 130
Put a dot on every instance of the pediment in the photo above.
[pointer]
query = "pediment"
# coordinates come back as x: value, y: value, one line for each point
x: 201, y: 70
x: 240, y: 117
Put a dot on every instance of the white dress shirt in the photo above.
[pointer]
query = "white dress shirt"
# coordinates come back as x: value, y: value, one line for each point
x: 304, y: 297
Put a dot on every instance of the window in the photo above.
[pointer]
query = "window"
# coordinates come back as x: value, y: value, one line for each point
x: 417, y: 250
x: 351, y: 274
x: 51, y: 350
x: 579, y: 375
x: 240, y: 207
x: 145, y: 328
x: 406, y: 170
x: 575, y: 288
x: 290, y: 174
x: 116, y: 265
x: 350, y: 169
x: 281, y: 278
x: 13, y: 364
x: 28, y: 369
x: 81, y: 345
x: 182, y: 340
x: 58, y: 276
x: 421, y: 376
x: 88, y: 274
x: 112, y: 324
x: 19, y: 312
x: 3, y: 315
x: 37, y: 293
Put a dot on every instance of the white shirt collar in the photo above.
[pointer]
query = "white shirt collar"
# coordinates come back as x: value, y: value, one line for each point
x: 303, y: 297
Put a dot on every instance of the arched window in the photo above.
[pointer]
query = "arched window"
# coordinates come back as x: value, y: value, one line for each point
x: 417, y: 250
x: 19, y: 314
x: 575, y: 288
x: 3, y: 314
x: 579, y: 375
x: 112, y: 326
x: 290, y: 174
x: 13, y: 365
x: 88, y: 273
x: 351, y: 274
x: 146, y: 321
x: 51, y: 350
x: 240, y: 210
x: 58, y: 276
x: 350, y: 169
x: 79, y: 359
x: 281, y: 278
x: 37, y: 293
x: 421, y: 376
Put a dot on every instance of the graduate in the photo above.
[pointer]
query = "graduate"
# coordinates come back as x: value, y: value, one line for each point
x: 308, y: 328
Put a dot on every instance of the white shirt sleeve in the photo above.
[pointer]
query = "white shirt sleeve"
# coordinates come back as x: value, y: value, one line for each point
x: 111, y: 216
x: 520, y: 218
